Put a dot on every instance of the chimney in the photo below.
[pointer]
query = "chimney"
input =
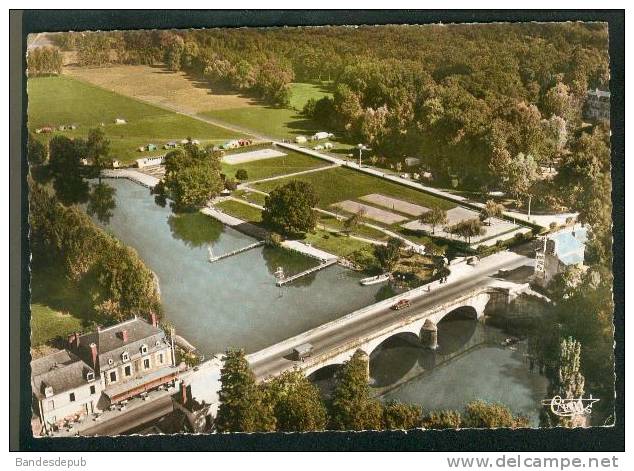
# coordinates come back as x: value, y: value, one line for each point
x: 71, y: 340
x: 124, y: 335
x: 77, y: 340
x: 154, y: 319
x: 183, y: 392
x: 93, y: 351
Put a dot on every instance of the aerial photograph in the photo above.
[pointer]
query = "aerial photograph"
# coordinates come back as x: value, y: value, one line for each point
x: 329, y: 228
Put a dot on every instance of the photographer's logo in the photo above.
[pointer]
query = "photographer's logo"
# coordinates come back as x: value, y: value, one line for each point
x: 570, y: 407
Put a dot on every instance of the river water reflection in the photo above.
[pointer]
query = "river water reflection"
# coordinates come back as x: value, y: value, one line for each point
x: 469, y: 364
x: 233, y: 302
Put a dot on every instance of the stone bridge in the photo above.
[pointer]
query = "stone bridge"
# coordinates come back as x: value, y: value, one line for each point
x: 422, y: 324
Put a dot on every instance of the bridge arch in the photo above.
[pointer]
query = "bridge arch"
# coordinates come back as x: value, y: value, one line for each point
x: 393, y: 358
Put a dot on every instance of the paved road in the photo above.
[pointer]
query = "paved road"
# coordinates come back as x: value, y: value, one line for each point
x: 132, y: 419
x: 328, y: 340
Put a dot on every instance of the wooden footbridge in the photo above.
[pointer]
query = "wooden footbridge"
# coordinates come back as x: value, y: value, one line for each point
x: 292, y: 278
x: 213, y: 258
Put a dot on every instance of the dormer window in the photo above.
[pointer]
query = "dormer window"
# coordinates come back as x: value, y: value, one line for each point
x: 90, y: 376
x: 143, y: 349
x: 110, y: 361
x: 125, y: 356
x: 158, y: 343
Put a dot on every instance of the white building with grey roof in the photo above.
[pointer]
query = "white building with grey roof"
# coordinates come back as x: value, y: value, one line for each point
x: 101, y: 368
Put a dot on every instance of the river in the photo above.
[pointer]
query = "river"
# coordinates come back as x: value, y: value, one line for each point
x: 232, y: 302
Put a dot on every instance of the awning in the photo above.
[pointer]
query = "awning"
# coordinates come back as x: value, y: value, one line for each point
x: 133, y: 387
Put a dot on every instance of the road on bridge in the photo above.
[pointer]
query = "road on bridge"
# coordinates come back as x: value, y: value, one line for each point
x: 325, y: 341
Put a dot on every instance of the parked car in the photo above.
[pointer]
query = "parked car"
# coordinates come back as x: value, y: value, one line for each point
x: 402, y: 304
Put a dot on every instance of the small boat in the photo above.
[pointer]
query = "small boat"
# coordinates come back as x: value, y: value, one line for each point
x: 373, y: 280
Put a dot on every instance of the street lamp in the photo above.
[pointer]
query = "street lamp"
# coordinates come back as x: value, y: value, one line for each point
x: 361, y: 148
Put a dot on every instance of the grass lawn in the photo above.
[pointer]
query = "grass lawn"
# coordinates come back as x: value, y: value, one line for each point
x: 339, y: 184
x: 361, y: 230
x: 241, y: 211
x: 250, y: 196
x: 64, y: 100
x: 48, y: 324
x: 265, y: 168
x: 280, y: 123
x: 59, y: 306
x: 335, y: 243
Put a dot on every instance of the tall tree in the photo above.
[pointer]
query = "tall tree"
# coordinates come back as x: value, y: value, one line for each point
x: 388, y: 255
x: 241, y: 408
x: 467, y: 229
x: 98, y: 150
x: 36, y: 151
x: 296, y: 403
x: 289, y: 208
x: 399, y: 416
x: 351, y: 407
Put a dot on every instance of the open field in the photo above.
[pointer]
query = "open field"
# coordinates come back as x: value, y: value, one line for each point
x: 64, y: 100
x: 251, y: 156
x: 337, y: 244
x: 158, y: 85
x: 339, y: 184
x: 290, y: 163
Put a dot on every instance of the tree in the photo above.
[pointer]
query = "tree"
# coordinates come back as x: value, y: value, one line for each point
x: 101, y: 202
x: 568, y: 382
x: 399, y: 416
x: 388, y: 255
x: 351, y: 407
x: 479, y: 414
x: 241, y: 408
x: 434, y: 217
x: 519, y: 175
x: 64, y: 163
x: 241, y: 174
x: 98, y: 150
x: 296, y: 403
x: 193, y: 187
x: 467, y: 229
x: 192, y: 177
x: 443, y: 419
x: 36, y: 151
x: 44, y: 61
x: 491, y: 210
x: 289, y: 208
x: 353, y: 222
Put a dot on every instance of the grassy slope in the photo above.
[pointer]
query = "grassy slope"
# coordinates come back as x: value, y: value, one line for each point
x: 59, y: 306
x: 290, y: 163
x: 340, y: 184
x: 63, y: 100
x: 241, y: 211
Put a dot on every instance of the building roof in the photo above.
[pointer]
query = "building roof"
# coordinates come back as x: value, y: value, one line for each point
x: 62, y: 371
x: 570, y: 246
x: 111, y: 344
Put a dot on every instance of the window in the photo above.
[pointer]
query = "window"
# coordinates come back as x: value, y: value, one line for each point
x: 128, y: 370
x: 125, y: 356
x: 143, y: 349
x: 160, y: 359
x: 113, y: 376
x: 72, y: 397
x: 92, y: 389
x: 90, y: 376
x: 110, y: 361
x: 146, y: 363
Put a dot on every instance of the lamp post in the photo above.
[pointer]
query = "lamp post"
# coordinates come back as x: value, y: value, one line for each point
x: 361, y: 148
